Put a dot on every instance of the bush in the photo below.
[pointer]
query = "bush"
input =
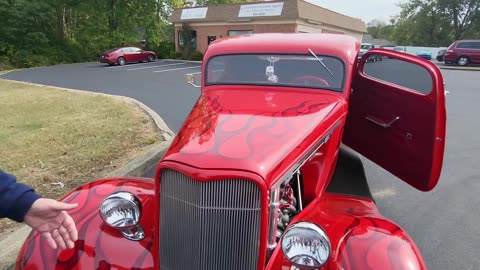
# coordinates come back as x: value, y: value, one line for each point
x: 165, y: 49
x: 176, y: 55
x: 196, y: 56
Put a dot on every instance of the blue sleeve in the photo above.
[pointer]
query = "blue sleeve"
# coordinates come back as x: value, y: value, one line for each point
x: 15, y: 198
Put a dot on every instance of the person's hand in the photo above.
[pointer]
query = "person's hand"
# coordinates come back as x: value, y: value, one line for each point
x: 50, y: 219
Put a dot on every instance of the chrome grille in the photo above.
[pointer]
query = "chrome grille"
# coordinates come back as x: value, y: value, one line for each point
x: 208, y: 225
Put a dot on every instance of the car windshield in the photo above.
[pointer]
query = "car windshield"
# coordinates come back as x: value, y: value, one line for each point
x: 309, y: 70
x: 365, y: 47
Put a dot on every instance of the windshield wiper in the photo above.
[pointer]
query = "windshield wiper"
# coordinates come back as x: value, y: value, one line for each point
x: 321, y: 62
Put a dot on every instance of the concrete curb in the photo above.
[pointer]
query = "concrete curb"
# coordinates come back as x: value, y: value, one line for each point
x: 442, y: 65
x: 136, y: 167
x: 459, y: 68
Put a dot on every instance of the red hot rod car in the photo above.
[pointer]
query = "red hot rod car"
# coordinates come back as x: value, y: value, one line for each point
x: 265, y: 172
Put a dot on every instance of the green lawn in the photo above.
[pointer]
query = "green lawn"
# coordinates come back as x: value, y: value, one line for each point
x: 50, y: 135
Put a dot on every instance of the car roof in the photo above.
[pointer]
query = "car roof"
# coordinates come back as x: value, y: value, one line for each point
x: 343, y: 46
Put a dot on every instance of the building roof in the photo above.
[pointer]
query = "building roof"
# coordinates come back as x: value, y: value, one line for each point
x: 292, y: 10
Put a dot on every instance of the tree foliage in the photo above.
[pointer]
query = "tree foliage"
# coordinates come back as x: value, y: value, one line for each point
x: 431, y: 23
x: 42, y: 32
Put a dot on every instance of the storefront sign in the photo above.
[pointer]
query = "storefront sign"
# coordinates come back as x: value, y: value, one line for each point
x: 267, y: 9
x: 194, y: 13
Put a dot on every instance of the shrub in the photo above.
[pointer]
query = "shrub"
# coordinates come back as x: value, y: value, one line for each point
x: 196, y: 56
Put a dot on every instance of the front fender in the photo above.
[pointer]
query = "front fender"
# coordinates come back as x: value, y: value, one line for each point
x: 360, y: 236
x: 98, y: 246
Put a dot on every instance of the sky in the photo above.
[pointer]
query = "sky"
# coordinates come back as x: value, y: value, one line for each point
x: 366, y: 10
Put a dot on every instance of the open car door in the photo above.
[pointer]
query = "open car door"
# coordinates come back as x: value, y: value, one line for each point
x: 397, y: 116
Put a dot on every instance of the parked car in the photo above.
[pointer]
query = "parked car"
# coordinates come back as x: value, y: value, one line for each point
x: 124, y: 55
x: 425, y: 54
x: 400, y: 48
x: 364, y: 47
x: 275, y: 182
x: 440, y: 55
x: 463, y: 52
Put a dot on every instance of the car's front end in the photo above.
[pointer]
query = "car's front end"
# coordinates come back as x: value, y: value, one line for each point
x: 243, y: 184
x: 450, y: 54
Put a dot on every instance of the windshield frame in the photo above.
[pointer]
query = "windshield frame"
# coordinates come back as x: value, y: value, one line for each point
x: 306, y: 54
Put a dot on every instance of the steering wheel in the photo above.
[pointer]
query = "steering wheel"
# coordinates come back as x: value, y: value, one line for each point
x: 303, y: 79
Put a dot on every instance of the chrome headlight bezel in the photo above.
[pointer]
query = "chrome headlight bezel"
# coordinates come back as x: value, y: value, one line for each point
x: 316, y: 246
x: 129, y: 207
x: 121, y: 202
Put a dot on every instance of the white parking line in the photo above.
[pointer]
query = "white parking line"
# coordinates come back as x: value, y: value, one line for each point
x: 128, y: 65
x: 157, y: 71
x: 194, y: 73
x: 159, y: 66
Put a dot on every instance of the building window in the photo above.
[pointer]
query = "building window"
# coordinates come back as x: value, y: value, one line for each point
x: 193, y: 39
x: 239, y: 32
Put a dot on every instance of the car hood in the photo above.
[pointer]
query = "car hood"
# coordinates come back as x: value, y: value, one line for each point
x: 261, y: 131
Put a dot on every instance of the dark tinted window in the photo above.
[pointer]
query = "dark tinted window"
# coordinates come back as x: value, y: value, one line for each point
x: 469, y: 44
x: 274, y: 69
x: 401, y: 73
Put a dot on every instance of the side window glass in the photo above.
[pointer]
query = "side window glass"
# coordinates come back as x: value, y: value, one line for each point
x: 464, y: 45
x: 400, y: 73
x: 216, y: 69
x: 476, y: 45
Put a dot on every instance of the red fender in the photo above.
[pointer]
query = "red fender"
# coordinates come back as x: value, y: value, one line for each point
x: 106, y: 249
x: 360, y: 236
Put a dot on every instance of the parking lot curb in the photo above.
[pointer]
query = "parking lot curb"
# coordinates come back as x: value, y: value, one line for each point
x: 136, y: 167
x: 441, y: 65
x: 459, y: 68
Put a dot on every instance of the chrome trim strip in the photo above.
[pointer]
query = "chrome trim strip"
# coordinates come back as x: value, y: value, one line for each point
x: 289, y: 174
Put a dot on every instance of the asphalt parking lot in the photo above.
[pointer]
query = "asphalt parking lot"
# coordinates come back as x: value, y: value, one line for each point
x: 160, y: 85
x: 443, y: 223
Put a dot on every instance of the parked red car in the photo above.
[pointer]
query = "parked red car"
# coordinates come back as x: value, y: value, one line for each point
x: 463, y: 52
x: 259, y: 177
x: 124, y: 55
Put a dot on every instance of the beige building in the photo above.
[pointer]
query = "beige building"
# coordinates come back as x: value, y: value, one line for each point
x: 214, y: 21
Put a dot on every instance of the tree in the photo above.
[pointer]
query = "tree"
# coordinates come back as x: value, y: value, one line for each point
x: 463, y: 15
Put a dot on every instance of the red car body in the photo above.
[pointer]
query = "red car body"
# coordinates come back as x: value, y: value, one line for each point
x: 210, y: 203
x: 123, y: 55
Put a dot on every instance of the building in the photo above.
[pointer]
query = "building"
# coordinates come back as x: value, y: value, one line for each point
x: 214, y: 21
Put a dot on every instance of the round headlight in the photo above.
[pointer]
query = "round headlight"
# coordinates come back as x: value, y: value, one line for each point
x: 121, y: 210
x: 306, y: 244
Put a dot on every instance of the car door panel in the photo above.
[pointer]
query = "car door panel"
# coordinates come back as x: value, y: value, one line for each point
x: 400, y: 129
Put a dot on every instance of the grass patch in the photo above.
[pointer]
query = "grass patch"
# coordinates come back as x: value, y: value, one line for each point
x: 50, y: 136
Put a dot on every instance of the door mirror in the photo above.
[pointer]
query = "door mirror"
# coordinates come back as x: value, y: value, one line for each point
x: 407, y: 75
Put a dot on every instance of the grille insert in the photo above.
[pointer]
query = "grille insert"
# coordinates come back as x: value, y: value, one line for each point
x: 208, y: 225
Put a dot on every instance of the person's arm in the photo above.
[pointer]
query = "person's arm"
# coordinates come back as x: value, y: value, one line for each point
x: 15, y: 198
x: 48, y: 217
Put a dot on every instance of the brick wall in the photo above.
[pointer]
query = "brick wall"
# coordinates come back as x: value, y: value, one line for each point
x: 222, y: 31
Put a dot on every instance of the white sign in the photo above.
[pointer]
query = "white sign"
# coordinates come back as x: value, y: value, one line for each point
x: 194, y: 13
x: 267, y: 9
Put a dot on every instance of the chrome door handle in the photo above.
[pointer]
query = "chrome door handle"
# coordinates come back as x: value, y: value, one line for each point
x: 384, y: 125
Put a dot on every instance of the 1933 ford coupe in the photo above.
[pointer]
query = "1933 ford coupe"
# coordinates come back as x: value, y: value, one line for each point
x: 266, y: 170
